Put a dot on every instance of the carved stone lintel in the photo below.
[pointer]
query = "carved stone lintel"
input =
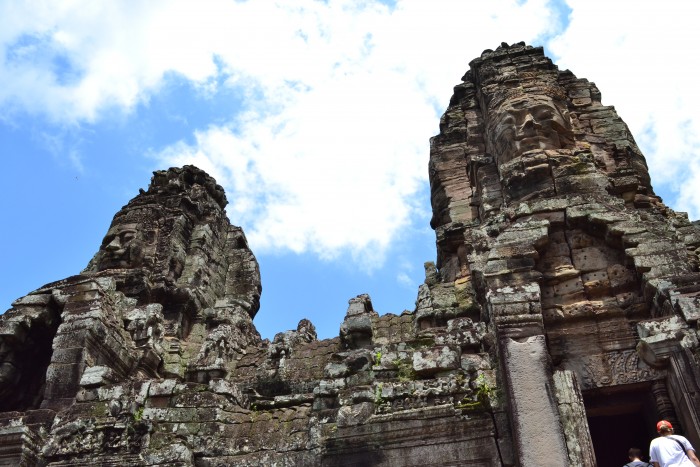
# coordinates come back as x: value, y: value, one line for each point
x: 614, y: 368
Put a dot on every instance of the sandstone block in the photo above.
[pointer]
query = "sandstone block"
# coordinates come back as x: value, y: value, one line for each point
x: 474, y: 362
x: 589, y: 259
x: 97, y: 376
x: 354, y: 414
x: 436, y: 359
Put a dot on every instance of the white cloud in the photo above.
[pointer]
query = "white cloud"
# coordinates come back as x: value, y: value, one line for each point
x: 341, y: 96
x: 407, y: 269
x: 337, y: 165
x: 641, y: 55
x: 404, y: 279
x: 336, y: 157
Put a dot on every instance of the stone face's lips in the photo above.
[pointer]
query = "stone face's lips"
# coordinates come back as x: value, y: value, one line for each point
x: 540, y: 141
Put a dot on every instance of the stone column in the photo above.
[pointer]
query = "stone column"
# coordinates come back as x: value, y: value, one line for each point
x: 514, y: 305
x: 530, y: 390
x: 664, y: 406
x: 573, y: 417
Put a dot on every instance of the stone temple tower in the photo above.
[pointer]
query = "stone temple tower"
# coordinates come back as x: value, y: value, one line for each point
x: 558, y: 324
x: 542, y: 203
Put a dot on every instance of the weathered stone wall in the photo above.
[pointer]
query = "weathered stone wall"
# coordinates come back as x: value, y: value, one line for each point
x: 561, y: 281
x: 150, y: 357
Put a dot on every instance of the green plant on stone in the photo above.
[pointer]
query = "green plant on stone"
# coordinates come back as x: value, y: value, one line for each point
x: 467, y: 404
x: 406, y: 372
x: 138, y: 415
x: 378, y: 358
x: 483, y: 393
x: 254, y: 414
x: 378, y: 399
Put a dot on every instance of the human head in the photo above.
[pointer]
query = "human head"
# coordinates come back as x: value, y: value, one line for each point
x: 664, y: 427
x: 634, y: 453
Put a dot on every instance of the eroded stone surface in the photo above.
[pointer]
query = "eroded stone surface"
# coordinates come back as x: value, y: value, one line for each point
x: 561, y: 281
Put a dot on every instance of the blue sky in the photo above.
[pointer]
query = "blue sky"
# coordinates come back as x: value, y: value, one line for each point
x: 315, y: 116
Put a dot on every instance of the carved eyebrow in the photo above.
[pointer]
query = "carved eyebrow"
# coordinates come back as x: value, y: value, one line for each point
x: 505, y: 118
x: 111, y: 235
x: 543, y: 112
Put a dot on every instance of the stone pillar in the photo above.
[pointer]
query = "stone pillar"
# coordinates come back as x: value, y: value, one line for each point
x: 514, y: 306
x: 664, y: 406
x: 573, y: 417
x: 683, y: 392
x: 530, y: 389
x: 678, y: 396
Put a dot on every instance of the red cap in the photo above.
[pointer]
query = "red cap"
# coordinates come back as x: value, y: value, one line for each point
x: 664, y: 423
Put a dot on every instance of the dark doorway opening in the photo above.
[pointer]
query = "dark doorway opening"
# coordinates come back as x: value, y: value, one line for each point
x: 619, y: 418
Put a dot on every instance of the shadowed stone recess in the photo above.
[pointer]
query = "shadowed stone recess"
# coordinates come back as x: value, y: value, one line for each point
x: 564, y: 291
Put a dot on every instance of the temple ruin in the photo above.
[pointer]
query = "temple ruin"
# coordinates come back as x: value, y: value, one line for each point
x: 558, y: 323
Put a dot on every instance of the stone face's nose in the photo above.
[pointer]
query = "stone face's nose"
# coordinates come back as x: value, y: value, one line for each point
x: 529, y: 126
x: 114, y: 245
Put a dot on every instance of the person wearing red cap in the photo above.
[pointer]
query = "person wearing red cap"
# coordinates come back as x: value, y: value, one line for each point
x: 669, y: 450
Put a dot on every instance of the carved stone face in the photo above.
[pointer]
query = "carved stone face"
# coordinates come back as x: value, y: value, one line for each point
x: 125, y: 246
x: 524, y: 123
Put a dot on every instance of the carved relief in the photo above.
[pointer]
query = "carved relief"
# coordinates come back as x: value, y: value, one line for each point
x: 614, y: 368
x: 524, y: 122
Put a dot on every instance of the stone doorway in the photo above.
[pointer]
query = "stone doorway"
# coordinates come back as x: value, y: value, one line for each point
x: 619, y: 418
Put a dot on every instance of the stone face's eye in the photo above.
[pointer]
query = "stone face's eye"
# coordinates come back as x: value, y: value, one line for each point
x: 556, y: 126
x: 150, y: 236
x: 504, y: 127
x: 506, y: 121
x: 544, y: 114
x: 505, y: 134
